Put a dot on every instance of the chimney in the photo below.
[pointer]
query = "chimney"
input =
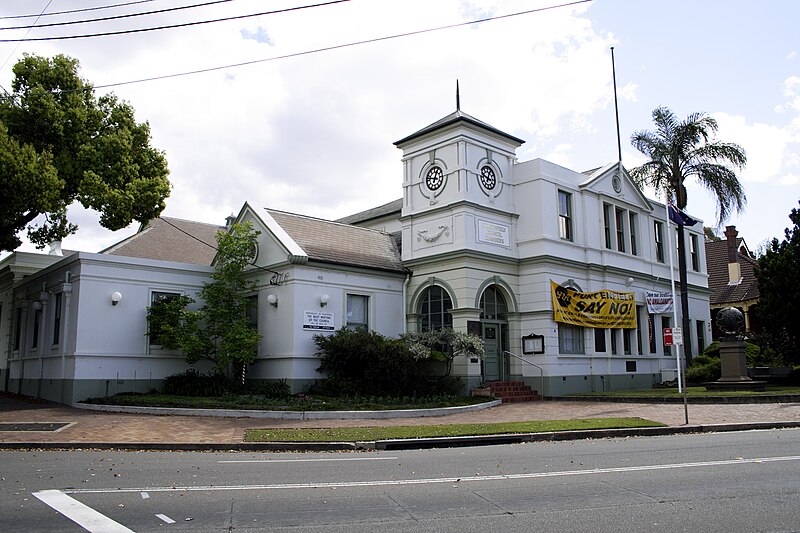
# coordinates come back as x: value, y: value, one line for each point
x: 55, y: 248
x: 734, y: 268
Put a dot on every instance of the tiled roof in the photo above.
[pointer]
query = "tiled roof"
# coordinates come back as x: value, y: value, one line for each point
x: 717, y: 265
x: 171, y: 239
x: 343, y: 244
x: 395, y: 206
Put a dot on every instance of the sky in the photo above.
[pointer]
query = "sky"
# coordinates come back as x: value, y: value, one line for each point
x: 313, y: 133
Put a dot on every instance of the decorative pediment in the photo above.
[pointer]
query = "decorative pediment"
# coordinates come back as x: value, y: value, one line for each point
x: 614, y: 182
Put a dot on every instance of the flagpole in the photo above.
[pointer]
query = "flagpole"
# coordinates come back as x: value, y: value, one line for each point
x: 672, y: 283
x: 678, y: 365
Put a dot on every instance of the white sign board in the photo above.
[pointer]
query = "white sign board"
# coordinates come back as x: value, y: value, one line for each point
x: 318, y: 321
x: 493, y: 233
x: 677, y: 336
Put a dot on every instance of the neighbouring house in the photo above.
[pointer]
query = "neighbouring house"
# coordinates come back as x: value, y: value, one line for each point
x: 479, y: 242
x: 732, y: 279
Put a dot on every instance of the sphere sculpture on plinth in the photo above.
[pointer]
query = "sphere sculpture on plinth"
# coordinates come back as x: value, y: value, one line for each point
x: 730, y: 321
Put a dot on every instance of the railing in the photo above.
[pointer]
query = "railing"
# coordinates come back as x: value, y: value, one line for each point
x: 541, y: 370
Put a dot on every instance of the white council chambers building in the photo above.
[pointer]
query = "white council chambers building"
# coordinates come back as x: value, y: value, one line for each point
x: 479, y: 242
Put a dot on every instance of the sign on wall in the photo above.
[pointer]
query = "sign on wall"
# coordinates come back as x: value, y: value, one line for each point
x: 601, y: 309
x: 493, y: 233
x: 659, y: 302
x: 318, y: 321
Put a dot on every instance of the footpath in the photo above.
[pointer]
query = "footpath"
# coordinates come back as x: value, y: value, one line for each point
x: 26, y: 423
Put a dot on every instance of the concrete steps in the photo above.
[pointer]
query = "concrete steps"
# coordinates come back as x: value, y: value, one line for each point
x: 512, y: 391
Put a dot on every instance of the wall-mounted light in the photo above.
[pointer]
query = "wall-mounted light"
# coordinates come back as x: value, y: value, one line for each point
x: 533, y: 344
x: 629, y: 282
x: 272, y: 300
x: 116, y: 297
x: 37, y: 305
x: 323, y: 300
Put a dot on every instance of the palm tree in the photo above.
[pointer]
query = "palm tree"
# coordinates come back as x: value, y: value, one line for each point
x: 679, y: 150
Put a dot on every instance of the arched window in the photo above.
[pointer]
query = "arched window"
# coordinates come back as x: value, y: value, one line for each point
x: 434, y: 309
x: 493, y: 304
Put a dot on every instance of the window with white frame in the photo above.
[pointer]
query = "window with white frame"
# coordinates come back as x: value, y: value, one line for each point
x: 666, y: 323
x: 599, y: 340
x: 57, y: 303
x: 565, y: 215
x: 607, y: 224
x: 37, y: 322
x: 694, y: 252
x: 619, y: 220
x: 658, y: 233
x: 17, y: 338
x: 434, y: 309
x: 570, y: 339
x: 632, y: 224
x: 357, y: 311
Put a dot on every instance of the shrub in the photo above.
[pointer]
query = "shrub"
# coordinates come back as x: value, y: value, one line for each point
x: 365, y: 363
x: 271, y: 389
x: 361, y: 362
x: 193, y: 383
x: 752, y: 353
x: 700, y: 373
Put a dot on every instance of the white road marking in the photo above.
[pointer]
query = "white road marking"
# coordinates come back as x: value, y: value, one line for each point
x: 165, y: 518
x: 145, y: 495
x: 465, y: 479
x: 312, y: 460
x: 83, y: 515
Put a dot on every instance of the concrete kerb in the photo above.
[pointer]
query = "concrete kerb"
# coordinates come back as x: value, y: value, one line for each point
x: 407, y: 444
x: 290, y: 415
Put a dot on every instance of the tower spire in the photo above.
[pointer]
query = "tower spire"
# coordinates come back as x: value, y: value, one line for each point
x: 458, y: 98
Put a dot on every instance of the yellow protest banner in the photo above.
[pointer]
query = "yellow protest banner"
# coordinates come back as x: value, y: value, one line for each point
x: 601, y: 309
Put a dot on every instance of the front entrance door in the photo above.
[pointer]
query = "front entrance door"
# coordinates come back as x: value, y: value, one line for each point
x: 493, y: 354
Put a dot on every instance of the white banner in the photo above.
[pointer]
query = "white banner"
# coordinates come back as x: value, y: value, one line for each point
x: 659, y: 302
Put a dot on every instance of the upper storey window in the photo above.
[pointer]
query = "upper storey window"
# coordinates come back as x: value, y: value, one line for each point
x: 619, y: 229
x: 565, y: 215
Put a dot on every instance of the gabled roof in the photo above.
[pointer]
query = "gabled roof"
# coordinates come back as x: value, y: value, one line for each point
x: 333, y: 242
x: 454, y: 118
x: 717, y: 266
x: 607, y: 173
x: 171, y: 239
x: 393, y: 207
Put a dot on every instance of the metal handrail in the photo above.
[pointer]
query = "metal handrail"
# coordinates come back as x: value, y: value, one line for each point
x: 541, y: 370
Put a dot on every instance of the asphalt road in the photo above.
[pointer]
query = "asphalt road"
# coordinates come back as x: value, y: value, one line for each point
x: 741, y: 481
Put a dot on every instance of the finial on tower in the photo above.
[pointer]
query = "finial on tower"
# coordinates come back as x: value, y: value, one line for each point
x: 458, y: 98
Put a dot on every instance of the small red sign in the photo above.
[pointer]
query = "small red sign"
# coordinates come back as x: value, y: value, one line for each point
x: 667, y: 336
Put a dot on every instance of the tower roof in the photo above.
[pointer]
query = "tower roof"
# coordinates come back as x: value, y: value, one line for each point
x: 454, y: 118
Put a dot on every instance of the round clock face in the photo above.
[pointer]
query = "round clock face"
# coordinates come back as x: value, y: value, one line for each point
x: 488, y: 178
x: 435, y: 178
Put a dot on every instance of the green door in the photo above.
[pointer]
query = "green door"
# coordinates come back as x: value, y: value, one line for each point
x: 492, y: 352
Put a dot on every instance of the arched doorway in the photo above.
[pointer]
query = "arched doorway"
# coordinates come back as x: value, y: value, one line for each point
x: 494, y: 326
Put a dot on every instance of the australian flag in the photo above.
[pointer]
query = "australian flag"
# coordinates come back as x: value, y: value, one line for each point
x: 679, y: 217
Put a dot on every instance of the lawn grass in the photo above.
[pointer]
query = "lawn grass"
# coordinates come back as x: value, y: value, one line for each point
x: 371, y: 433
x: 690, y: 392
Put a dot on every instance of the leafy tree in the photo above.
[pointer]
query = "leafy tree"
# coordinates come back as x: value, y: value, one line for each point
x: 444, y: 345
x: 778, y: 277
x: 219, y: 331
x: 681, y: 150
x: 60, y: 144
